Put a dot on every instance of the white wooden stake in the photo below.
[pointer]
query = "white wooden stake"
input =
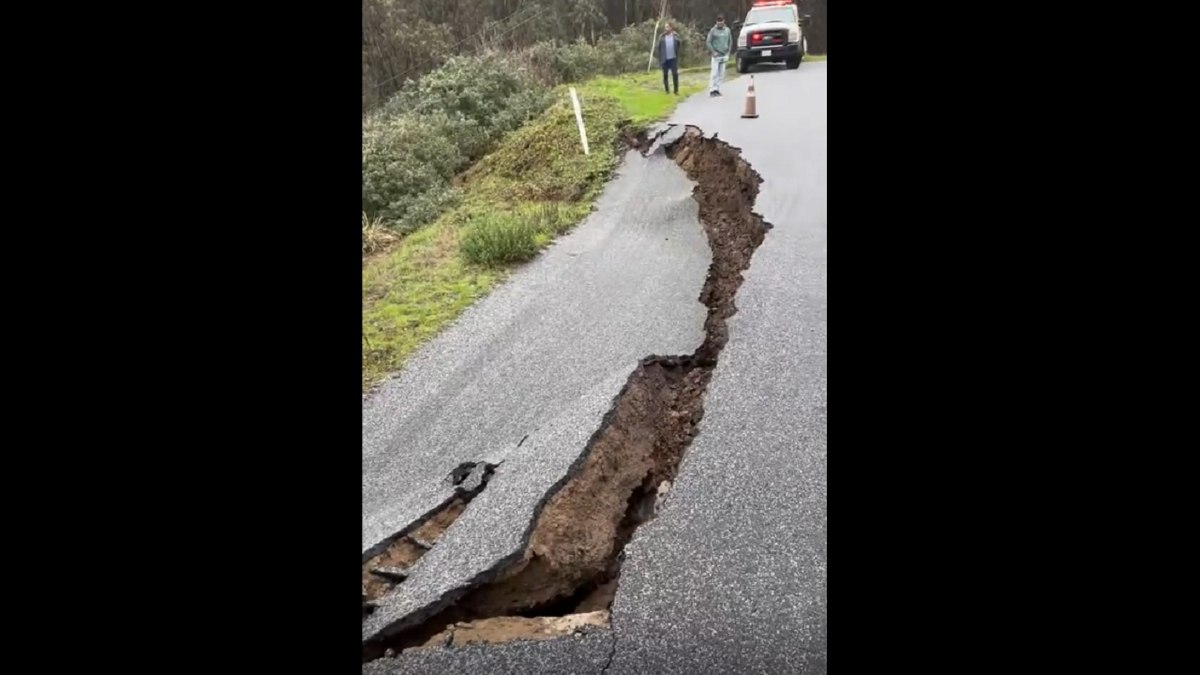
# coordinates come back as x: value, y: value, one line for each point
x: 579, y: 120
x: 654, y: 38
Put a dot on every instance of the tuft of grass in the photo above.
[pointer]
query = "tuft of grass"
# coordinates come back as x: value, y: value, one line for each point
x: 536, y: 185
x: 499, y: 240
x: 815, y: 57
x: 375, y: 236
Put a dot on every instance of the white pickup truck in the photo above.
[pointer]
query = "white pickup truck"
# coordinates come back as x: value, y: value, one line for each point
x: 770, y: 33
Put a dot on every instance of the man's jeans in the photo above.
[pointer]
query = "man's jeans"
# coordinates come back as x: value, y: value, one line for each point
x: 671, y: 66
x: 718, y: 73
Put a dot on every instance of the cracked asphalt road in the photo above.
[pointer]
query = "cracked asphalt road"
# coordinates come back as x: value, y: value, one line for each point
x: 731, y: 577
x: 542, y: 357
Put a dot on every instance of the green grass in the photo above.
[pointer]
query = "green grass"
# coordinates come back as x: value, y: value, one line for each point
x: 815, y: 57
x: 535, y: 186
x: 642, y: 95
x: 410, y: 292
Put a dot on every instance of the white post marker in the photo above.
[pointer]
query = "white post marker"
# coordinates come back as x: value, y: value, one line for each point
x: 654, y: 38
x: 579, y: 120
x: 653, y: 41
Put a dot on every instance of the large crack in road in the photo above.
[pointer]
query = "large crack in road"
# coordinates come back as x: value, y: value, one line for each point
x: 567, y: 575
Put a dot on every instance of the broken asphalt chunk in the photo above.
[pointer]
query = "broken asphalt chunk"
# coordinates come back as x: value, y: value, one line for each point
x: 396, y: 574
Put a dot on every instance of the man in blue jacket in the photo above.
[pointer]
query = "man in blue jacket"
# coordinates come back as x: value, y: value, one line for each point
x: 668, y: 56
x: 719, y: 42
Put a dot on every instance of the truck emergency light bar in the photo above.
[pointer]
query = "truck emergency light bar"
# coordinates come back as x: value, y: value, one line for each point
x: 773, y: 3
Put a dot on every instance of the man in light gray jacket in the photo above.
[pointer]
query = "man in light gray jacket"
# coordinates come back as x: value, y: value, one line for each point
x: 719, y: 42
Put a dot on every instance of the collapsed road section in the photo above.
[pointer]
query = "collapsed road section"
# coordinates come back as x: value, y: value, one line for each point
x: 567, y: 575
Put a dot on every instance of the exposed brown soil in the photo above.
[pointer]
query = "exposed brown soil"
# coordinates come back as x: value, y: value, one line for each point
x: 582, y: 528
x: 634, y: 138
x: 403, y: 552
x: 507, y: 629
x: 571, y: 564
x: 726, y: 189
x: 600, y: 598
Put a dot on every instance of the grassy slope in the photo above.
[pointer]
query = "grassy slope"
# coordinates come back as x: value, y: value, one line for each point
x: 418, y: 287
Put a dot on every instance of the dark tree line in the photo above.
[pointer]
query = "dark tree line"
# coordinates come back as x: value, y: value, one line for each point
x: 406, y: 38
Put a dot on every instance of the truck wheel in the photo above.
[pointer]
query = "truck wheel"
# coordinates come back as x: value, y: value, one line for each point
x: 743, y: 66
x: 793, y: 63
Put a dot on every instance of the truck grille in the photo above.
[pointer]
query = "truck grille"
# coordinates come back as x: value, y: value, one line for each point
x: 768, y: 38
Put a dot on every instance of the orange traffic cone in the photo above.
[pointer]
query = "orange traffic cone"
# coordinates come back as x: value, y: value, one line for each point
x: 751, y: 108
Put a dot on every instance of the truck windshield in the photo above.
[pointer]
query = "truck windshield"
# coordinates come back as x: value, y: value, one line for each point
x: 769, y: 14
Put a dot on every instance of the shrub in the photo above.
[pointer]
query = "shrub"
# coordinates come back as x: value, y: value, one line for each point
x: 519, y: 109
x: 577, y: 61
x: 478, y: 99
x: 433, y: 128
x: 553, y: 62
x: 406, y: 167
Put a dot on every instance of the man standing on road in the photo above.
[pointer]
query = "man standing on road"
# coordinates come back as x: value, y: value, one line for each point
x: 719, y: 42
x: 668, y: 56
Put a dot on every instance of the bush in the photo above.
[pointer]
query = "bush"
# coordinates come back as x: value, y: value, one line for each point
x: 483, y: 97
x: 519, y: 109
x: 553, y: 62
x: 577, y: 61
x: 500, y: 239
x: 433, y: 128
x: 406, y: 167
x: 631, y: 47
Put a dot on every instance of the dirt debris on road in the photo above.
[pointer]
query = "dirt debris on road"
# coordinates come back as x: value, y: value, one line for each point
x: 571, y: 564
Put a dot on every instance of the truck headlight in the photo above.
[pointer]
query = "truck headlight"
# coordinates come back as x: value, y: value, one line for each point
x: 793, y: 35
x: 741, y: 40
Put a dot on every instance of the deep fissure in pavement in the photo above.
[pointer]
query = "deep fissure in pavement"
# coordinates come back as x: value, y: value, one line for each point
x: 386, y: 564
x: 567, y: 576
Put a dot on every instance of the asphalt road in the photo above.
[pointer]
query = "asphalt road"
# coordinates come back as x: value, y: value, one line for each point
x: 524, y: 378
x: 731, y: 576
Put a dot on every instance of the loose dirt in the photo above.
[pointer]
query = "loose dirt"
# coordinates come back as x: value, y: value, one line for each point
x: 404, y: 552
x: 507, y: 629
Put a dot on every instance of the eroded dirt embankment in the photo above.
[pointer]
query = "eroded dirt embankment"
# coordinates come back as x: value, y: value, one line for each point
x: 571, y: 564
